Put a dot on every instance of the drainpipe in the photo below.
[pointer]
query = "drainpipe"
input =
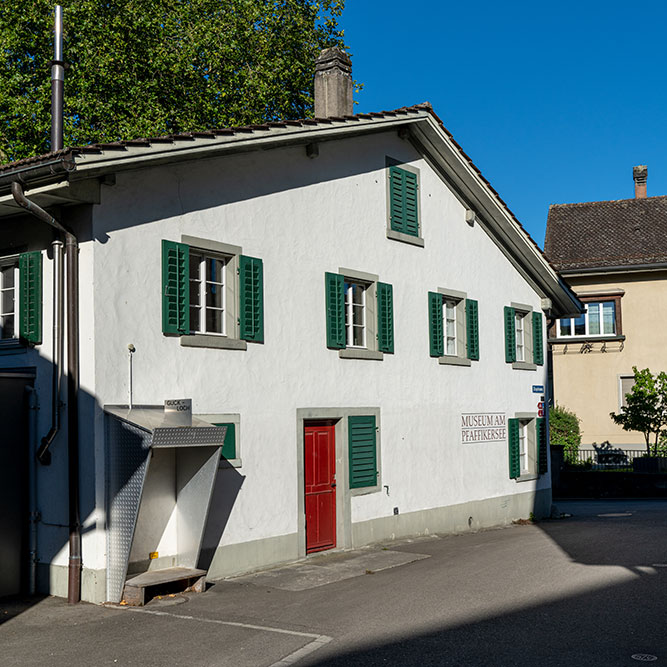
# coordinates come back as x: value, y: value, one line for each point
x: 43, y: 453
x: 72, y: 258
x: 33, y: 406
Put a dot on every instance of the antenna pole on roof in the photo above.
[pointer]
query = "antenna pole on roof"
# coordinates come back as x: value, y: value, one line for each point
x: 57, y: 82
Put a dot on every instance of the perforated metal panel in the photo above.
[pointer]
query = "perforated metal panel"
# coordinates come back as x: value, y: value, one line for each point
x: 180, y: 436
x: 127, y: 450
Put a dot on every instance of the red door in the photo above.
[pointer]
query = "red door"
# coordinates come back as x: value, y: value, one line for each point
x: 320, y: 472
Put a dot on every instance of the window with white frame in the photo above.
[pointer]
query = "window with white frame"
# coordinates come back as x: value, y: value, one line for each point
x: 359, y: 314
x: 453, y: 327
x: 9, y: 285
x: 208, y: 293
x: 355, y: 313
x: 212, y: 294
x: 523, y: 445
x: 524, y: 337
x: 528, y: 449
x: 451, y: 336
x: 520, y: 335
x: 599, y: 319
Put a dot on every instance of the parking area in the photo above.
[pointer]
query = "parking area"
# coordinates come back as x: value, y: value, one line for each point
x: 586, y: 589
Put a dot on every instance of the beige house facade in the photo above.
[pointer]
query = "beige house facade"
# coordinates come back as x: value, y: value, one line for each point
x: 613, y: 254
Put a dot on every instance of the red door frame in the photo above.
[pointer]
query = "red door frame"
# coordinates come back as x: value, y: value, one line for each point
x: 320, y: 485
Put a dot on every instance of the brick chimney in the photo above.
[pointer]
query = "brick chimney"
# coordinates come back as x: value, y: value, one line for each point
x: 640, y: 174
x: 333, y: 83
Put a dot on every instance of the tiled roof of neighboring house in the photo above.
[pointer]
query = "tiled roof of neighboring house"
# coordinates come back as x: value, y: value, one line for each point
x: 590, y: 235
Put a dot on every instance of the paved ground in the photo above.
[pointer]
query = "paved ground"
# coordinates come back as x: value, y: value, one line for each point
x: 586, y: 590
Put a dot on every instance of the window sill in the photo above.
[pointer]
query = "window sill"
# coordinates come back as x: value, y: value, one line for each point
x: 527, y: 477
x: 405, y: 238
x: 12, y: 346
x: 524, y: 366
x: 214, y: 342
x: 451, y: 360
x: 354, y: 353
x: 230, y: 463
x: 586, y: 339
x: 365, y: 490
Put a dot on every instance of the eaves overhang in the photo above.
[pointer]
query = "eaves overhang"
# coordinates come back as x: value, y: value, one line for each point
x: 74, y: 175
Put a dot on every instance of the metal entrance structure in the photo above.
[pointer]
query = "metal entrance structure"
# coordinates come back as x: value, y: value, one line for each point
x: 161, y: 469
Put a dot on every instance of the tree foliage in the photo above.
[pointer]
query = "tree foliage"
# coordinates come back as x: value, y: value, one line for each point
x: 646, y: 409
x: 138, y: 68
x: 564, y: 430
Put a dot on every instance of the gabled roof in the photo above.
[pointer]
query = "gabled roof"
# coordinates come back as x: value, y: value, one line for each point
x: 59, y: 177
x: 606, y: 234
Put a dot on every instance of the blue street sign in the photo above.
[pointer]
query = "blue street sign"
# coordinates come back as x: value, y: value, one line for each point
x: 538, y: 389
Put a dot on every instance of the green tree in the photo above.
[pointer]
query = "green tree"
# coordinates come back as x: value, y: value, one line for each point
x: 646, y: 409
x: 138, y: 68
x: 564, y: 430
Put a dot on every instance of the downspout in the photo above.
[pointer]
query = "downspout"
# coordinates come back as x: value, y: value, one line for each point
x: 43, y: 453
x: 72, y: 257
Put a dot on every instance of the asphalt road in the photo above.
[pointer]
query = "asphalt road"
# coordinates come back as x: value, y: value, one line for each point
x: 590, y: 589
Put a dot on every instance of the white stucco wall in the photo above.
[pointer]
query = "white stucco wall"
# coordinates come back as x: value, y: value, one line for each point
x: 304, y: 217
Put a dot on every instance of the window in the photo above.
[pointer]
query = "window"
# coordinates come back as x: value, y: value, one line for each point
x: 355, y: 314
x: 453, y: 327
x: 360, y: 315
x: 599, y: 319
x: 403, y: 203
x: 9, y: 298
x: 212, y: 295
x: 230, y: 457
x: 527, y: 443
x: 21, y: 299
x: 625, y: 385
x: 524, y: 337
x: 207, y: 293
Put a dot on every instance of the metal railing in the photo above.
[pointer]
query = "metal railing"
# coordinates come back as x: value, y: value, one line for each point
x: 605, y: 458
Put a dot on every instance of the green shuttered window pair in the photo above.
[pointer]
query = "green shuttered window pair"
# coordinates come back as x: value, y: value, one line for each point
x: 335, y: 313
x: 437, y: 326
x: 362, y: 446
x: 176, y: 293
x: 510, y: 336
x: 513, y: 439
x: 404, y: 202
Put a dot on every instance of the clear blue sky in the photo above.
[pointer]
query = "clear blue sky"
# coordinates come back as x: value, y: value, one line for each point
x: 554, y: 102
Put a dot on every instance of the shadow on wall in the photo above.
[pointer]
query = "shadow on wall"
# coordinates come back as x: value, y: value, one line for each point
x: 52, y: 493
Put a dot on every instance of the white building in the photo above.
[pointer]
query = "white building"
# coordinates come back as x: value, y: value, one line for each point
x: 373, y: 331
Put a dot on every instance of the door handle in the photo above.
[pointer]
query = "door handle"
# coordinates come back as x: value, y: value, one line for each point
x: 333, y: 485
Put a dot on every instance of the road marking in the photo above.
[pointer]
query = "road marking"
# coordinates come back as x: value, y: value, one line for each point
x: 292, y: 658
x: 615, y: 514
x: 644, y: 657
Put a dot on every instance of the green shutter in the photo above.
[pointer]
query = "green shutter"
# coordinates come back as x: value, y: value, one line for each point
x: 510, y: 335
x: 542, y: 449
x: 435, y: 329
x: 385, y: 299
x: 30, y: 297
x: 362, y: 451
x: 335, y: 302
x: 251, y: 299
x: 513, y: 445
x: 472, y: 329
x: 175, y: 288
x: 229, y: 446
x: 403, y: 198
x: 538, y: 340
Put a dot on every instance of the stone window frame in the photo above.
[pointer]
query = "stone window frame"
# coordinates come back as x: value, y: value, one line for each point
x: 461, y: 356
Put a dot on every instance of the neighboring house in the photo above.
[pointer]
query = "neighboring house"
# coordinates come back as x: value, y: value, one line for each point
x: 348, y: 295
x: 614, y: 256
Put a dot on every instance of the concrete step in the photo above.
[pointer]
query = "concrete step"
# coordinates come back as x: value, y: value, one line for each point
x: 192, y: 579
